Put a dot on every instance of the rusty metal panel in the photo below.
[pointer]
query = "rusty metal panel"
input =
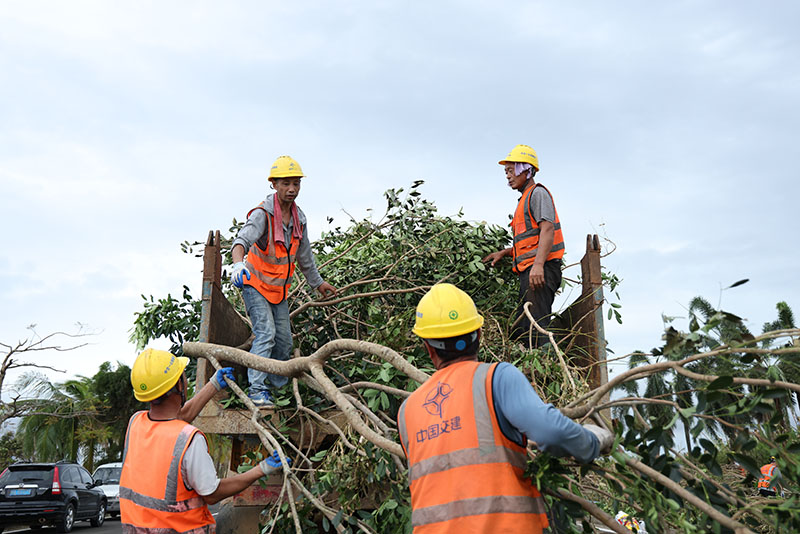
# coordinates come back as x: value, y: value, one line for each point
x: 584, y: 319
x: 219, y: 322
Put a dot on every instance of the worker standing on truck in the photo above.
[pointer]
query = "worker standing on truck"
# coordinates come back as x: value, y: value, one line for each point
x: 771, y: 479
x: 538, y: 244
x: 274, y: 237
x: 465, y: 430
x: 168, y: 478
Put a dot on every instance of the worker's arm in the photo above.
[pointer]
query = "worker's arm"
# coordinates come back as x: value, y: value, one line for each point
x: 193, y: 406
x: 233, y: 485
x: 237, y: 253
x: 199, y: 472
x: 546, y: 235
x: 544, y: 213
x: 521, y: 411
x: 494, y: 257
x: 249, y: 233
x: 777, y: 480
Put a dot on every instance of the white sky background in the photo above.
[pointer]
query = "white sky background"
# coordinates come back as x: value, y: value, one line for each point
x: 126, y: 128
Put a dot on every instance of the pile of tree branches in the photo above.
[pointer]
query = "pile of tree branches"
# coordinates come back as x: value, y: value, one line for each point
x: 694, y: 419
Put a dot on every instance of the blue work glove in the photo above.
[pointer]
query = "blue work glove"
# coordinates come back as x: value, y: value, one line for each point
x: 272, y: 464
x: 238, y: 271
x: 219, y: 378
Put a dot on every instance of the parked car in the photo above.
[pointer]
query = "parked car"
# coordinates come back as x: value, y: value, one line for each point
x: 107, y: 478
x: 37, y: 494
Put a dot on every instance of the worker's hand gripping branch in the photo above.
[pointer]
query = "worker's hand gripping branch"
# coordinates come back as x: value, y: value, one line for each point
x: 272, y: 464
x: 218, y: 380
x: 238, y: 272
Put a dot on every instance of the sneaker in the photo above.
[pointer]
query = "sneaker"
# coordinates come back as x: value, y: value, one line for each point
x: 261, y: 399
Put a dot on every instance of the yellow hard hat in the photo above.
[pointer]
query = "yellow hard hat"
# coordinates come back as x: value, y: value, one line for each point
x: 285, y: 167
x: 446, y: 311
x: 522, y: 154
x: 155, y: 372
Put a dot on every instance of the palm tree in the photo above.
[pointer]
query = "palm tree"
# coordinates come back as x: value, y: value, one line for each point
x: 62, y: 420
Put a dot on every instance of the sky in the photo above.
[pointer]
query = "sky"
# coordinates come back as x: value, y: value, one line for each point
x: 128, y: 127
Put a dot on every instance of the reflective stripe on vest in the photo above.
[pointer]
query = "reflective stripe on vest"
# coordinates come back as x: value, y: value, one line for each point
x: 271, y: 266
x: 526, y: 233
x: 461, y: 466
x: 153, y: 496
x: 766, y: 475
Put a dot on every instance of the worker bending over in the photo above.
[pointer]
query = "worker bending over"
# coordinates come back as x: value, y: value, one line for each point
x: 465, y: 430
x: 274, y: 237
x: 771, y: 479
x: 168, y: 478
x: 538, y: 243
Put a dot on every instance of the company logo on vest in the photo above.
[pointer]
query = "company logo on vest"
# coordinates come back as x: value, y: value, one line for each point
x: 435, y: 399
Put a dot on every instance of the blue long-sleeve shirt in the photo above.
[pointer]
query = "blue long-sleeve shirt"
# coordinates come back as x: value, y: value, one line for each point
x: 520, y: 410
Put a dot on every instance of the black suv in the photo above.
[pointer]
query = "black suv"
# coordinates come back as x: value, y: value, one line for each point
x: 49, y: 494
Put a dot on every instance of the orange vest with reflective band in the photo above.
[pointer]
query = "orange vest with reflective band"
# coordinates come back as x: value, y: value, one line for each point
x: 152, y: 496
x: 766, y: 475
x: 465, y: 475
x: 271, y: 266
x: 526, y: 233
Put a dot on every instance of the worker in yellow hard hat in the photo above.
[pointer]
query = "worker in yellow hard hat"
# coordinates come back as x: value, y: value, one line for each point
x: 538, y: 244
x: 168, y: 478
x: 465, y: 430
x: 274, y: 237
x: 771, y: 479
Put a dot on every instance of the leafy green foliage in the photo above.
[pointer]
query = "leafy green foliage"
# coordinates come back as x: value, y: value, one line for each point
x: 77, y: 419
x: 383, y: 267
x: 10, y: 450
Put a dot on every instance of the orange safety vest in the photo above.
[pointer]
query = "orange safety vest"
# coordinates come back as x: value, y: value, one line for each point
x: 271, y: 266
x: 526, y: 233
x: 766, y: 475
x: 152, y: 496
x: 465, y: 475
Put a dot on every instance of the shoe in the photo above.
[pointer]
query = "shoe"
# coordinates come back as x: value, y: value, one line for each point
x: 261, y: 399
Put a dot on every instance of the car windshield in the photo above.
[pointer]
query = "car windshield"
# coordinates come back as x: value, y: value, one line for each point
x: 26, y: 476
x: 109, y: 475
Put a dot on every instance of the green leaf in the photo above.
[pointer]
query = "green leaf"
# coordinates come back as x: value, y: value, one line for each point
x: 723, y: 382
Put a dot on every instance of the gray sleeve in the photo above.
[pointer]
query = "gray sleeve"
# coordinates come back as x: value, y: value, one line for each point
x: 541, y: 204
x: 305, y: 261
x: 252, y: 230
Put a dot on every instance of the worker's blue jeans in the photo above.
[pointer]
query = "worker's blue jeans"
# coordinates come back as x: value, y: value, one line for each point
x: 273, y: 336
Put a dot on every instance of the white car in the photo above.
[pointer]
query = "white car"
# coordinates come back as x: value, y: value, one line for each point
x: 107, y: 477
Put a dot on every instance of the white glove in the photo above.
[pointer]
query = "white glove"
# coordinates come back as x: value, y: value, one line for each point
x: 603, y: 436
x: 238, y: 271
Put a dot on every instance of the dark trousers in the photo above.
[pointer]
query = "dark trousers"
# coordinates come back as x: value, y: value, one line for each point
x: 764, y: 492
x: 541, y: 300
